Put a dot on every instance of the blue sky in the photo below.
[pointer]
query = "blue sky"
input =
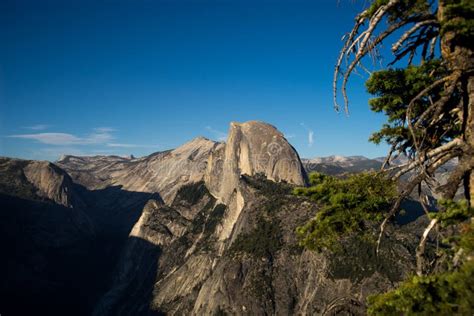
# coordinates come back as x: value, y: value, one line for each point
x: 135, y: 77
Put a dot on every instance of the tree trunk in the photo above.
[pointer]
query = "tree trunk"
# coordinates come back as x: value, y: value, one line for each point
x: 460, y: 58
x: 469, y: 138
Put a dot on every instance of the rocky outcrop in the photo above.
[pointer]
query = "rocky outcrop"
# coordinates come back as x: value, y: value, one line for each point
x: 52, y: 182
x: 42, y: 181
x: 59, y: 240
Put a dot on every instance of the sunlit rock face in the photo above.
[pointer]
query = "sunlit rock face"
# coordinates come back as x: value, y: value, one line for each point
x: 252, y: 148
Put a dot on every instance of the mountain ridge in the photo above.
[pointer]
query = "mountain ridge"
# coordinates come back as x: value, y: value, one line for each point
x: 205, y: 228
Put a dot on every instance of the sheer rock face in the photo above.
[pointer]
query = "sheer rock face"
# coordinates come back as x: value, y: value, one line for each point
x: 52, y: 182
x: 252, y: 148
x: 39, y: 180
x: 206, y: 219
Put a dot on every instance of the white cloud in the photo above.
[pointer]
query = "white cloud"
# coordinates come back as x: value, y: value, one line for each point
x: 121, y: 145
x: 99, y: 136
x: 38, y: 127
x: 104, y: 129
x: 310, y: 138
x: 51, y: 138
x: 219, y: 135
x: 104, y: 152
x: 310, y: 134
x: 100, y: 140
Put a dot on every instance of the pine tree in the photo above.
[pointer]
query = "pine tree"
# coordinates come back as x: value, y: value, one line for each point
x: 427, y: 94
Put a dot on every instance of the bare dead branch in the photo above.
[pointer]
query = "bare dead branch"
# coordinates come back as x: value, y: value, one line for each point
x: 455, y: 143
x: 432, y: 47
x: 439, y: 103
x: 420, y: 250
x: 360, y: 19
x: 413, y: 29
x: 388, y: 158
x: 423, y: 199
x: 396, y: 206
x: 361, y: 52
x: 355, y: 43
x: 411, y: 47
x: 412, y: 104
x: 416, y: 179
x: 450, y: 188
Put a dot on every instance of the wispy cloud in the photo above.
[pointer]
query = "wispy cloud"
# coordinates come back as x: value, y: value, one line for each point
x: 104, y: 129
x: 121, y: 145
x: 289, y: 136
x: 51, y: 138
x: 100, y: 140
x: 219, y: 135
x: 98, y: 136
x: 310, y: 138
x: 38, y: 127
x: 310, y: 134
x: 103, y: 151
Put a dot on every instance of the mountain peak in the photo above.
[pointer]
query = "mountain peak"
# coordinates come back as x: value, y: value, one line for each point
x: 252, y: 147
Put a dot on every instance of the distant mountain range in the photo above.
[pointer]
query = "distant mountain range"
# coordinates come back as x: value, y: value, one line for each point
x: 334, y: 165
